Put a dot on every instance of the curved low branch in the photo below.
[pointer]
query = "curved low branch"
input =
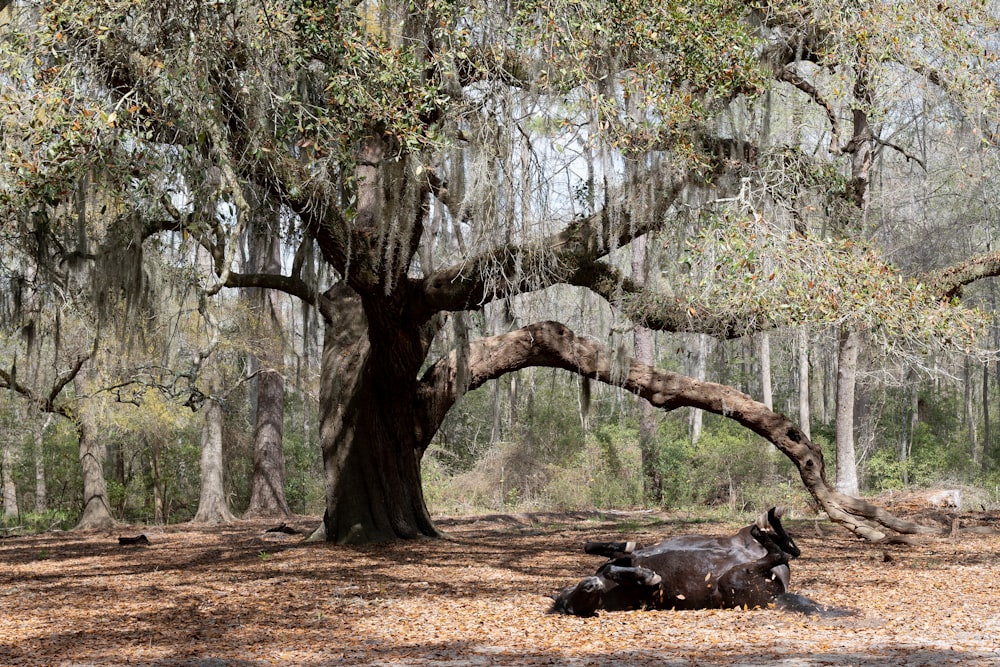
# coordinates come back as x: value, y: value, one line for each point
x: 551, y: 344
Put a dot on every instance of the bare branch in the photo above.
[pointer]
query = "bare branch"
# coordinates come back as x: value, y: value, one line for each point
x: 902, y: 151
x: 789, y: 75
x: 8, y: 380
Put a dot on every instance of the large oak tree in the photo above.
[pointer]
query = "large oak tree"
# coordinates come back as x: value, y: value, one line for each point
x: 434, y: 157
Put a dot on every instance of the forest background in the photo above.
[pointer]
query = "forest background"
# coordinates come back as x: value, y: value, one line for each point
x: 832, y: 189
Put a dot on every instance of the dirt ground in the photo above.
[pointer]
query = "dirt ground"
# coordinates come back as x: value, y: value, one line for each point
x: 236, y: 596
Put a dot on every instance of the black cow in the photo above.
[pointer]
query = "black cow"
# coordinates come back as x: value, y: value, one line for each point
x: 749, y: 569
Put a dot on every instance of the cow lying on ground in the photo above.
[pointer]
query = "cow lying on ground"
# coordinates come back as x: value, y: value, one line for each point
x: 748, y: 569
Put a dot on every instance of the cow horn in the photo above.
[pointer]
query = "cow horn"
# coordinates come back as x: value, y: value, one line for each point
x: 762, y: 522
x: 780, y: 511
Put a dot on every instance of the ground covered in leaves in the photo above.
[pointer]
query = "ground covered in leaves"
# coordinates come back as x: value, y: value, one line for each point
x: 237, y: 596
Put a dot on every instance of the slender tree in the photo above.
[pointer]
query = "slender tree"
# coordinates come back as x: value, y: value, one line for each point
x: 11, y: 509
x: 805, y: 411
x: 267, y: 496
x: 213, y: 506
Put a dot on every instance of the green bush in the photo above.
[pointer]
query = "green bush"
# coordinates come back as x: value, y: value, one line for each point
x: 673, y: 453
x: 304, y: 488
x: 732, y: 466
x: 617, y: 459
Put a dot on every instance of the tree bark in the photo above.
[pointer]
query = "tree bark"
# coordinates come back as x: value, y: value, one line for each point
x: 369, y: 435
x: 847, y: 370
x: 11, y: 511
x: 696, y: 417
x: 969, y: 414
x: 212, y: 505
x: 805, y: 414
x: 267, y: 496
x: 987, y: 435
x: 643, y: 345
x: 96, y: 508
x: 910, y: 433
x: 40, y: 488
x: 766, y: 393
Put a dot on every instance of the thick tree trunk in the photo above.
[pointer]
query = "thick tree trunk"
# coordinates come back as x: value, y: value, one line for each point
x: 212, y: 505
x: 96, y: 509
x: 268, y: 495
x: 847, y: 371
x: 368, y: 432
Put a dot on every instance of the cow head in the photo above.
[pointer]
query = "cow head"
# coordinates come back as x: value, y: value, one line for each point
x: 583, y: 599
x: 771, y: 524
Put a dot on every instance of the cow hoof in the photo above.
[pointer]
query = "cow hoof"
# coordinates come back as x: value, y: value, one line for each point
x: 649, y: 577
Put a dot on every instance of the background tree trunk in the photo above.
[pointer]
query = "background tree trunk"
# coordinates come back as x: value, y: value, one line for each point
x: 212, y: 505
x: 700, y: 365
x: 40, y: 488
x: 764, y: 355
x: 652, y: 481
x: 910, y: 432
x: 987, y: 434
x: 267, y: 496
x: 11, y: 511
x: 805, y: 414
x: 847, y: 371
x: 96, y: 508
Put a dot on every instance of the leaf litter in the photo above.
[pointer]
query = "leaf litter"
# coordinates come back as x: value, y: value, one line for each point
x: 236, y: 596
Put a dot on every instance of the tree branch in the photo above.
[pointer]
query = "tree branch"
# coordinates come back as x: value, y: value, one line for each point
x: 8, y: 380
x: 500, y: 272
x: 902, y: 151
x: 789, y: 75
x: 949, y: 282
x: 553, y: 345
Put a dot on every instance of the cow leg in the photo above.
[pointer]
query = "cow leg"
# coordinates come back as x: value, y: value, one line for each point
x: 753, y: 584
x: 609, y: 549
x: 630, y: 574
